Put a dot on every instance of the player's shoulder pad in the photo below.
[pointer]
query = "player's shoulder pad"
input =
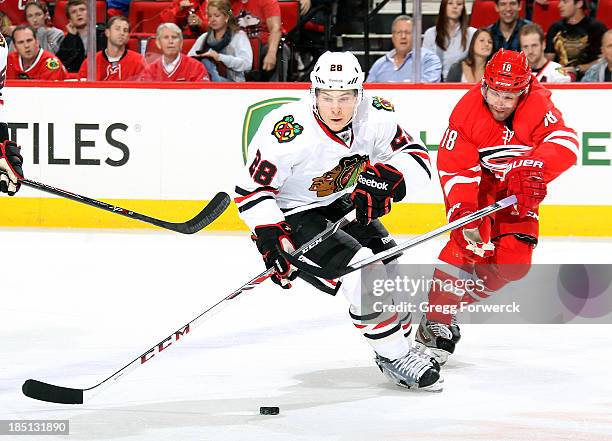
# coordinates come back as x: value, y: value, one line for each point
x: 380, y: 103
x: 286, y: 123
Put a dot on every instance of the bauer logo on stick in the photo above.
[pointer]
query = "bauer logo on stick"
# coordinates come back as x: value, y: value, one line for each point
x: 286, y: 129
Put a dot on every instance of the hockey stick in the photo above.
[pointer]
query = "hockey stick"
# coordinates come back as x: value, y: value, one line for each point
x: 58, y: 394
x: 391, y: 252
x: 211, y: 211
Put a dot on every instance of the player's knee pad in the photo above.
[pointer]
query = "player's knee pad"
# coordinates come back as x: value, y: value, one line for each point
x: 511, y: 262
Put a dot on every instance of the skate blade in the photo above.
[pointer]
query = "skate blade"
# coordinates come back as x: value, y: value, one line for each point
x: 438, y: 386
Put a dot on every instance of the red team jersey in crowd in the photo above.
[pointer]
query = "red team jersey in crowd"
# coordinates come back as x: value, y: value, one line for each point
x: 130, y: 67
x: 187, y: 69
x: 252, y: 14
x: 15, y: 9
x: 46, y: 67
x: 475, y: 150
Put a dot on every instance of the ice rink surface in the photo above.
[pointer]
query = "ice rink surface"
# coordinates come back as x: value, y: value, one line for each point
x: 82, y: 304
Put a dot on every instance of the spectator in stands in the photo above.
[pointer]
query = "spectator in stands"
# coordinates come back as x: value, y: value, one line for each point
x: 450, y: 38
x: 505, y: 30
x: 396, y: 65
x: 225, y: 49
x: 575, y: 40
x: 173, y: 65
x: 72, y: 50
x: 532, y: 43
x: 37, y: 15
x: 118, y: 7
x: 6, y: 26
x: 189, y: 15
x: 116, y: 62
x: 30, y: 61
x: 261, y: 19
x: 471, y: 69
x: 602, y: 70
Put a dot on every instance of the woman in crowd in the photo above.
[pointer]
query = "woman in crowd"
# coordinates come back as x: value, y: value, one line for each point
x: 451, y: 37
x: 471, y: 68
x: 224, y: 50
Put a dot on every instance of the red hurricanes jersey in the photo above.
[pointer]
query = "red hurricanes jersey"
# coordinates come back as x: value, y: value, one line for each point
x: 46, y: 67
x: 476, y: 150
x: 187, y: 69
x: 130, y: 67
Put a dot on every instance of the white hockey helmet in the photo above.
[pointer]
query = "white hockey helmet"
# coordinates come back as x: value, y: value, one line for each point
x: 336, y: 71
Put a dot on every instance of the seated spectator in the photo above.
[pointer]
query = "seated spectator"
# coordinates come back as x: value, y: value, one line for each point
x: 532, y: 41
x: 37, y: 15
x: 6, y: 27
x: 116, y: 62
x: 262, y: 19
x: 471, y: 69
x: 505, y: 30
x: 602, y: 70
x: 118, y: 7
x: 173, y: 65
x: 396, y: 65
x: 72, y: 50
x: 30, y: 61
x: 575, y: 40
x: 224, y: 45
x: 450, y: 38
x: 189, y: 15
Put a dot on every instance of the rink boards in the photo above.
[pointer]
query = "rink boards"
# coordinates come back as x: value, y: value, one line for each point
x: 165, y: 151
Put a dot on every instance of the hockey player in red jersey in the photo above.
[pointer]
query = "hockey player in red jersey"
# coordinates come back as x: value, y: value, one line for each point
x: 505, y: 137
x: 10, y: 153
x: 310, y: 163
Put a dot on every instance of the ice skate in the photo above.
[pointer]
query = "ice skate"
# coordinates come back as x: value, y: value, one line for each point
x: 437, y: 337
x: 411, y: 371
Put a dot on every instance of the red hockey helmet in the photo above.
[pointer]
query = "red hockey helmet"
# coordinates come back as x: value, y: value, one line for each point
x: 508, y: 71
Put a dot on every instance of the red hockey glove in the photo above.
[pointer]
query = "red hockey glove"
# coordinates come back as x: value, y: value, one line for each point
x: 10, y: 167
x: 525, y: 178
x: 270, y: 240
x: 376, y: 185
x: 475, y: 236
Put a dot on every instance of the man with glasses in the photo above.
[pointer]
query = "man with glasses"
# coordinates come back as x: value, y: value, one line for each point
x: 505, y: 137
x: 396, y: 65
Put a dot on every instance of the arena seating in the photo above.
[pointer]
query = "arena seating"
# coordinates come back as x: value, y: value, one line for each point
x: 604, y: 12
x: 484, y: 13
x: 145, y: 16
x: 545, y: 16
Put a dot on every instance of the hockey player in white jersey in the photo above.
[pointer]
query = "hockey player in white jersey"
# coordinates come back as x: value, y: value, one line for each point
x: 313, y: 161
x: 10, y: 156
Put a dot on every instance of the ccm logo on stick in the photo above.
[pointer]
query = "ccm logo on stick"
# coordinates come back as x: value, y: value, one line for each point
x: 163, y: 344
x: 372, y: 183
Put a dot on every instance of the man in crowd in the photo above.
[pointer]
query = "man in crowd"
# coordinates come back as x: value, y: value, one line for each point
x: 30, y: 61
x: 72, y: 51
x: 575, y: 40
x: 602, y: 70
x: 396, y: 65
x: 505, y: 31
x: 532, y: 43
x: 116, y: 62
x: 173, y: 65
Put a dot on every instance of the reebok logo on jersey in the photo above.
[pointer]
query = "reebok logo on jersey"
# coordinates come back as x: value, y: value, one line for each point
x: 373, y: 183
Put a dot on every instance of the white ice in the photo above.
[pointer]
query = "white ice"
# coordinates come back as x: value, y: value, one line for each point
x: 76, y: 306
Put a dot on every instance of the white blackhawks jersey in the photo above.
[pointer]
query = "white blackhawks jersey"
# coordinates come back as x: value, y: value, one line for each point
x: 3, y: 57
x: 551, y: 73
x: 296, y: 163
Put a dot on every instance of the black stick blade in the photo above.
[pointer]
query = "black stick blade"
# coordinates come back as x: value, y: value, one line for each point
x: 51, y: 393
x: 212, y: 211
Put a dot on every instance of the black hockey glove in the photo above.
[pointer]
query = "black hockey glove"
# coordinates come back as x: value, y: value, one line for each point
x: 376, y: 185
x: 270, y: 239
x: 10, y: 167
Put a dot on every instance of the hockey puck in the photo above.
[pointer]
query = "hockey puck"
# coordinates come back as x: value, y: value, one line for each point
x: 269, y: 410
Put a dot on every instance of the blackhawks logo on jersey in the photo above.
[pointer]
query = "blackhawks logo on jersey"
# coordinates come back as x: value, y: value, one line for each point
x: 52, y: 63
x: 287, y: 129
x: 382, y: 104
x: 342, y: 176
